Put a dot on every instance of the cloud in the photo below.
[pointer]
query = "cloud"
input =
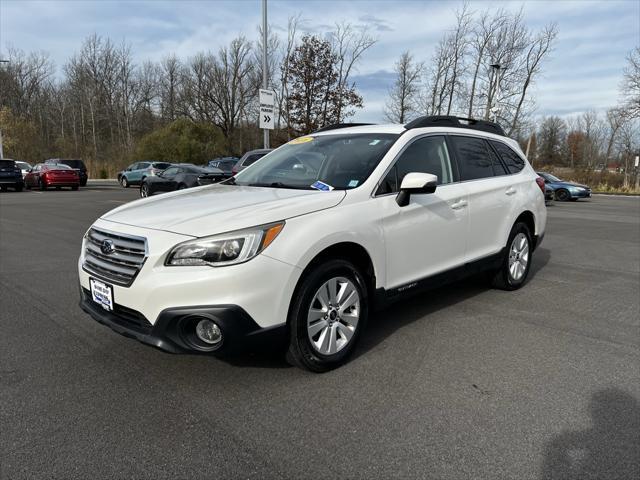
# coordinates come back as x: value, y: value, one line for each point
x: 583, y: 71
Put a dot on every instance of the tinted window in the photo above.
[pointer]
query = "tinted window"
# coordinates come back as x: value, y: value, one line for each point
x: 58, y: 166
x: 161, y: 165
x: 170, y: 171
x: 7, y: 164
x: 252, y: 158
x: 511, y: 159
x: 425, y: 155
x: 143, y: 165
x: 73, y: 163
x: 473, y: 158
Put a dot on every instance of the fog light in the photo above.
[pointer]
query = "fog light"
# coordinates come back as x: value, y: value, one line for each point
x: 208, y: 332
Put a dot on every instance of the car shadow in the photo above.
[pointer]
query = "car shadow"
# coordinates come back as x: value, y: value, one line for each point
x: 609, y: 449
x: 385, y: 322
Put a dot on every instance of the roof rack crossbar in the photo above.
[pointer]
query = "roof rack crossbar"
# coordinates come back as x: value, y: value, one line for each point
x: 457, y: 122
x: 336, y: 126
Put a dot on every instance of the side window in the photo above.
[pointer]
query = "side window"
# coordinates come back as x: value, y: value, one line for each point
x: 143, y: 165
x: 498, y: 166
x: 170, y: 172
x: 474, y: 158
x: 424, y: 155
x: 512, y: 160
x: 252, y: 159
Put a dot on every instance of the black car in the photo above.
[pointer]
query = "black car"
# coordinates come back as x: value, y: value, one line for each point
x: 225, y: 164
x: 10, y: 175
x: 249, y: 158
x: 178, y: 177
x: 75, y: 164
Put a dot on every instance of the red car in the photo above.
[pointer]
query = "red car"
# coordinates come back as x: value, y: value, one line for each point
x: 44, y: 176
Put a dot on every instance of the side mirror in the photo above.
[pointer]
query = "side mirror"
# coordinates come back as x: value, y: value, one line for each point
x: 414, y: 183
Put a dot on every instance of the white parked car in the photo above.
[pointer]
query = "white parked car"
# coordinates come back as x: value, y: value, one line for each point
x: 302, y: 245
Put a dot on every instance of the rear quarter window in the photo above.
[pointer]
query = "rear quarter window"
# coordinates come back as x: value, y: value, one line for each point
x: 511, y: 159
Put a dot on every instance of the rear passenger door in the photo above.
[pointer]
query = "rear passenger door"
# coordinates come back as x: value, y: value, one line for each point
x: 491, y: 195
x: 429, y: 235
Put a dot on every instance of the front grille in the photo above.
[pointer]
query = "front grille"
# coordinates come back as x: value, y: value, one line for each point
x: 119, y: 266
x: 122, y: 315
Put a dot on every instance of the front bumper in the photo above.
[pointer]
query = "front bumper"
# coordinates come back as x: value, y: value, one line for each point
x: 170, y: 332
x: 580, y: 194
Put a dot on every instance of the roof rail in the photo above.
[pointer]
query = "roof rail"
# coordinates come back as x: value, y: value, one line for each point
x: 457, y: 122
x: 336, y: 126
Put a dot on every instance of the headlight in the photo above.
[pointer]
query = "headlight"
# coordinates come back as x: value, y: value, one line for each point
x: 576, y: 189
x: 225, y: 249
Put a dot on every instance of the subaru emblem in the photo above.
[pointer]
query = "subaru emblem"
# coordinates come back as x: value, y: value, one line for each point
x: 107, y: 247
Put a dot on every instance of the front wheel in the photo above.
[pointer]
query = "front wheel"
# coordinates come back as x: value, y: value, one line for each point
x: 327, y: 316
x: 516, y: 263
x: 41, y: 184
x: 563, y: 195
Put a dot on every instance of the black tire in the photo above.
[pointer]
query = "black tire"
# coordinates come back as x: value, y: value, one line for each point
x: 27, y: 186
x: 181, y: 186
x: 301, y: 353
x: 83, y: 183
x: 3, y: 188
x: 75, y: 187
x: 144, y: 190
x: 124, y: 182
x: 563, y: 195
x: 19, y: 188
x: 503, y: 278
x: 41, y: 184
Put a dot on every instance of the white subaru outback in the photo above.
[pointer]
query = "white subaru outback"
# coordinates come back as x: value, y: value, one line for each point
x: 303, y: 244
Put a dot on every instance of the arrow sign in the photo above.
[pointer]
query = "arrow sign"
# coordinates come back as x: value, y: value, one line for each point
x: 266, y: 117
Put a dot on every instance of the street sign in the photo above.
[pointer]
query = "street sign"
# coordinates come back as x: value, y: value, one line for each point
x: 267, y: 115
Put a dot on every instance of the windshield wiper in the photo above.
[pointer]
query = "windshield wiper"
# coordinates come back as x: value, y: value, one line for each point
x: 278, y: 185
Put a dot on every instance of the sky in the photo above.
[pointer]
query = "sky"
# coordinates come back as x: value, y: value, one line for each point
x: 582, y: 73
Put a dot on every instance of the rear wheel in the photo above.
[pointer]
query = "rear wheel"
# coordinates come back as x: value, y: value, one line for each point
x: 124, y: 182
x: 563, y: 195
x: 144, y: 190
x: 328, y: 314
x: 516, y: 263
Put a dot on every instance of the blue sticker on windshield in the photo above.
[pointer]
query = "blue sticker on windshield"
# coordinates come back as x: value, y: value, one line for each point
x: 322, y: 186
x: 353, y: 183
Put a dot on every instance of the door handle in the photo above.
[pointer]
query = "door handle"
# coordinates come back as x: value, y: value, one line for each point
x: 510, y: 191
x: 459, y: 204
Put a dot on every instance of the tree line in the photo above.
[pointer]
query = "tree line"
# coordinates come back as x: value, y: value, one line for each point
x: 108, y: 109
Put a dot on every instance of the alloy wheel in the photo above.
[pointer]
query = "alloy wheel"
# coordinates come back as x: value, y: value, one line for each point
x: 518, y: 256
x: 333, y: 315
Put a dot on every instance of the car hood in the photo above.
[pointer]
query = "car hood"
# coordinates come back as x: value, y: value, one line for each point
x: 215, y: 209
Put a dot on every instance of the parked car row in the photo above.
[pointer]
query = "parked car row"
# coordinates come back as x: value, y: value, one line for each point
x: 54, y: 172
x: 180, y: 176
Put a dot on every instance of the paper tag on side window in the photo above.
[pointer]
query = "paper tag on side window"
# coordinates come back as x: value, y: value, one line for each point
x: 322, y: 186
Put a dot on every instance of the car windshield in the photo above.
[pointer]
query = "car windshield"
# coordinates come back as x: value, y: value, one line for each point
x: 551, y: 178
x: 341, y: 161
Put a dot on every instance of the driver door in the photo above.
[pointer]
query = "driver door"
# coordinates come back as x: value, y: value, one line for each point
x: 429, y: 235
x: 167, y: 180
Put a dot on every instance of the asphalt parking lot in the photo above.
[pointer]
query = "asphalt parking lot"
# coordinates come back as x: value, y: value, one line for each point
x: 463, y: 382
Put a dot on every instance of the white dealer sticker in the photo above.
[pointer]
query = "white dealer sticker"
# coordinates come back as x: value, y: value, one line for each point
x: 102, y: 293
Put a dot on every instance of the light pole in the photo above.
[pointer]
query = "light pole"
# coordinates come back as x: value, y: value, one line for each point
x: 496, y: 69
x: 265, y: 84
x: 1, y: 150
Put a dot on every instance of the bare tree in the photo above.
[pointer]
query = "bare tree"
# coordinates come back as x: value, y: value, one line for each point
x: 349, y: 44
x: 631, y: 84
x: 402, y: 102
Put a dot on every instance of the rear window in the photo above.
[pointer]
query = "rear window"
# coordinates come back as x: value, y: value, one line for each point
x: 475, y: 159
x: 58, y: 166
x: 161, y: 165
x: 512, y: 160
x: 73, y: 163
x: 23, y: 165
x: 7, y: 164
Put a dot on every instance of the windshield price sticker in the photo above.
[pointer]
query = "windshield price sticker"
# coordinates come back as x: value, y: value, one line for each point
x: 298, y: 140
x: 322, y: 186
